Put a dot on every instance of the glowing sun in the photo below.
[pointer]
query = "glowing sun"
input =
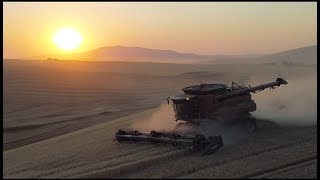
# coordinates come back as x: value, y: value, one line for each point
x: 67, y: 39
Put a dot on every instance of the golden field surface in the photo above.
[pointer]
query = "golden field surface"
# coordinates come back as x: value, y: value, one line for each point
x: 60, y: 118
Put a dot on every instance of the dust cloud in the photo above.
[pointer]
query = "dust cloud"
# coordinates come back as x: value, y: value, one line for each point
x: 162, y: 119
x: 291, y: 104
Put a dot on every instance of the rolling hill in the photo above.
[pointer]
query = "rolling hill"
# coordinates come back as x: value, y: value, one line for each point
x: 306, y: 55
x: 301, y: 56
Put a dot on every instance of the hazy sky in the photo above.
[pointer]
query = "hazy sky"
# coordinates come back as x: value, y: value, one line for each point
x: 206, y: 27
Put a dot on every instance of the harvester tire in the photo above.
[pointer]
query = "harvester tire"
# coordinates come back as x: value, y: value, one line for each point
x: 250, y: 124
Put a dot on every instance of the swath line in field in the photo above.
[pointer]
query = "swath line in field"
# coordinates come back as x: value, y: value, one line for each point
x: 271, y: 169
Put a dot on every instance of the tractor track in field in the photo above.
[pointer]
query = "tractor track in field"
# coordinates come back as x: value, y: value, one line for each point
x: 65, y: 129
x: 21, y: 169
x: 103, y: 172
x: 137, y: 158
x: 290, y: 150
x: 139, y: 155
x: 184, y: 172
x: 283, y: 168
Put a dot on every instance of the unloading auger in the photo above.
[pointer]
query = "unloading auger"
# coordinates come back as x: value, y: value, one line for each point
x: 208, y: 145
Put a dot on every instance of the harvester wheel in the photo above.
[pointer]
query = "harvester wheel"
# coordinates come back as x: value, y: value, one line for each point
x: 250, y: 124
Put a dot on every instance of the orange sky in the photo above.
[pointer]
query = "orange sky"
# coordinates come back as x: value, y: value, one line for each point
x: 205, y: 28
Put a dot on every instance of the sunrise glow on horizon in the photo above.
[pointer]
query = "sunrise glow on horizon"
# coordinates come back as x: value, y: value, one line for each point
x: 67, y: 39
x: 31, y: 28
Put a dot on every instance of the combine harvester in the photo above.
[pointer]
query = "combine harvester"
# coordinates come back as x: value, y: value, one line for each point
x: 197, y: 107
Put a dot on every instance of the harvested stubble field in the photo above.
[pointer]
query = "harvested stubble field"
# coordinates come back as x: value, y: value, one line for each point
x: 60, y: 119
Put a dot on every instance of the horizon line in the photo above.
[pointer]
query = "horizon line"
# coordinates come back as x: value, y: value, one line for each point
x: 168, y: 50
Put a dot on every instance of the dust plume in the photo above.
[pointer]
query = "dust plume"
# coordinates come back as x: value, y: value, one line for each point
x: 291, y: 104
x: 161, y: 119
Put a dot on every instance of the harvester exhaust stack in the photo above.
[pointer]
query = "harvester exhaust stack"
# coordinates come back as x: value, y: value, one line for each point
x: 198, y: 142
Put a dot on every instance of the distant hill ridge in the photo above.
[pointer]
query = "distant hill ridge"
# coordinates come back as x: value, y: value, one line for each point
x: 306, y: 55
x: 124, y: 52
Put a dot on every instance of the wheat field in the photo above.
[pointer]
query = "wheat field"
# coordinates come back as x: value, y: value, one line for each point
x: 60, y: 118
